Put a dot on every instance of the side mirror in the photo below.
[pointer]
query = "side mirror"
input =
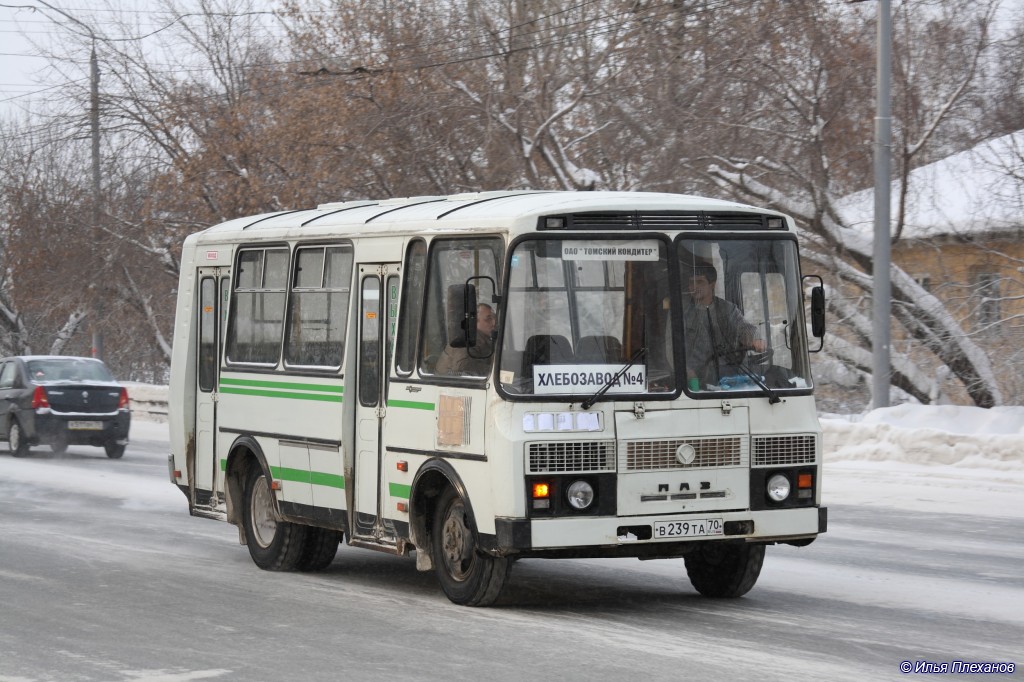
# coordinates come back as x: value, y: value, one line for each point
x: 461, y: 315
x: 469, y: 315
x: 817, y: 311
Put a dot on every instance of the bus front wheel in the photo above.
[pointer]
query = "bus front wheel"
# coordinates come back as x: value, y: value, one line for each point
x: 468, y: 576
x: 724, y: 569
x: 274, y: 545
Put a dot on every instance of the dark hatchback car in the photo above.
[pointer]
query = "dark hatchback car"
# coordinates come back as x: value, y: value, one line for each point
x: 60, y: 401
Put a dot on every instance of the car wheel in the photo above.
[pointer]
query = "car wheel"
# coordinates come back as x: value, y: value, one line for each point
x: 274, y: 545
x: 59, y: 446
x: 467, y: 575
x: 114, y: 450
x: 16, y: 441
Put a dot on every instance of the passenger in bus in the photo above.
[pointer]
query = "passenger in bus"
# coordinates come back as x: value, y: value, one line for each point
x: 716, y: 332
x: 462, y: 361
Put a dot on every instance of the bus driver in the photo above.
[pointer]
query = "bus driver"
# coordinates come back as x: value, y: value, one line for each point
x: 459, y: 362
x: 715, y: 329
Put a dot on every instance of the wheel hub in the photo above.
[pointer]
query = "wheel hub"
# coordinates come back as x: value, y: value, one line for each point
x: 264, y: 523
x: 455, y: 543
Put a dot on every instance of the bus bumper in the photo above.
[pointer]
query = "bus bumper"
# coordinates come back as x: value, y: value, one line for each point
x: 776, y: 525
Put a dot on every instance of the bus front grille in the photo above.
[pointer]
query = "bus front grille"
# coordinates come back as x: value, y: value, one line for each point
x: 571, y: 456
x: 646, y: 455
x: 781, y: 450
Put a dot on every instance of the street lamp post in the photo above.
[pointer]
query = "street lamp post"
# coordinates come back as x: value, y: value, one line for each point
x: 882, y: 296
x: 881, y: 299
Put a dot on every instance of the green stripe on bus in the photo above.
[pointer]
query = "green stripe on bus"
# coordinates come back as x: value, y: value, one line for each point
x: 305, y: 476
x: 281, y: 394
x: 411, y: 404
x: 400, y: 490
x: 324, y: 388
x: 287, y: 474
x: 328, y: 480
x: 313, y: 477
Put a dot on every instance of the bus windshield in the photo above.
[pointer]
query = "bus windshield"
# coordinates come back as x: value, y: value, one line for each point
x: 583, y: 313
x: 580, y: 310
x: 742, y: 312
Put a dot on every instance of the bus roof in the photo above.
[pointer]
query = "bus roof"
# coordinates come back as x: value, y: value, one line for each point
x: 515, y: 210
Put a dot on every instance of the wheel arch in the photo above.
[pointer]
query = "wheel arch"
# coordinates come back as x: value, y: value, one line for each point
x: 431, y: 479
x: 245, y: 452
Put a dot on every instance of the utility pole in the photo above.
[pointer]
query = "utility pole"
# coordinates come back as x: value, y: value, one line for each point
x: 97, y: 194
x: 882, y: 296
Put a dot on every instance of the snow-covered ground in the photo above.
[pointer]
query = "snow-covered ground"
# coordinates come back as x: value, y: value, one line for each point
x: 945, y: 459
x: 921, y: 562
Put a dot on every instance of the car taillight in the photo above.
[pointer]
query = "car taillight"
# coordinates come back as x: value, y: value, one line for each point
x: 122, y: 403
x: 39, y: 399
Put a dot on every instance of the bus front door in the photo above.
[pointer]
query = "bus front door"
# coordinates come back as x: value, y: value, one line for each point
x: 214, y: 289
x: 378, y: 305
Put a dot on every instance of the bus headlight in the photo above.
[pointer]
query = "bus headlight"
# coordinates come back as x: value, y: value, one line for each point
x: 778, y: 488
x: 580, y: 494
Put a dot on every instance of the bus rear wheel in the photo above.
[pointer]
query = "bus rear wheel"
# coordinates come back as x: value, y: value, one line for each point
x: 320, y: 547
x: 274, y: 545
x: 468, y: 576
x: 724, y: 569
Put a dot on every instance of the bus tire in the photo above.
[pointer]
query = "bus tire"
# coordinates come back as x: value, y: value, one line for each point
x: 319, y: 549
x: 724, y: 569
x: 468, y: 576
x: 274, y: 545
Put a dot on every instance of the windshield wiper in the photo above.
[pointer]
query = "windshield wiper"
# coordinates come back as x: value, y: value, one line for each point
x: 589, y: 402
x: 772, y: 396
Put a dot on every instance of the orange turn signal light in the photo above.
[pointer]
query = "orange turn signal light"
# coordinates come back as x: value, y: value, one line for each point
x: 403, y: 466
x: 804, y: 480
x: 541, y: 490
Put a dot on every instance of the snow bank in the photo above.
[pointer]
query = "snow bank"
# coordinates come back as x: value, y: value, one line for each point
x: 939, y: 434
x: 938, y: 459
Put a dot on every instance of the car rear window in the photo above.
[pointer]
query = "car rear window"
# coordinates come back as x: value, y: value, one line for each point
x: 55, y: 369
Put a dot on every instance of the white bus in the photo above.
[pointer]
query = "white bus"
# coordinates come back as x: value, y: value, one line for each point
x: 485, y: 377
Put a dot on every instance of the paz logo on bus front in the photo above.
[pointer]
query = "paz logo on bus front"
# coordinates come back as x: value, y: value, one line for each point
x: 685, y: 454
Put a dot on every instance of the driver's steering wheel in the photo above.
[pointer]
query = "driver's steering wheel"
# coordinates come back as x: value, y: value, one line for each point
x: 748, y: 356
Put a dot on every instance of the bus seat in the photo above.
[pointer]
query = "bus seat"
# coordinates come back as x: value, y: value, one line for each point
x: 546, y: 349
x: 601, y: 350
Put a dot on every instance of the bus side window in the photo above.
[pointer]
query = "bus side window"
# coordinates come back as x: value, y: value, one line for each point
x: 318, y: 306
x: 452, y: 261
x: 207, y: 334
x: 257, y: 310
x: 411, y: 306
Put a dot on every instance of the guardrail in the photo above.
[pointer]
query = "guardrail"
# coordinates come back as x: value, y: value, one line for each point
x: 148, y: 402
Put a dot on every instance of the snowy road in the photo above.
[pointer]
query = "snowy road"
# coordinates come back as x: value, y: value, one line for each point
x: 104, y: 576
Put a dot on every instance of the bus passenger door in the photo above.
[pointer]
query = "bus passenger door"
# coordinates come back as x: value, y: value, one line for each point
x: 378, y: 301
x: 214, y: 289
